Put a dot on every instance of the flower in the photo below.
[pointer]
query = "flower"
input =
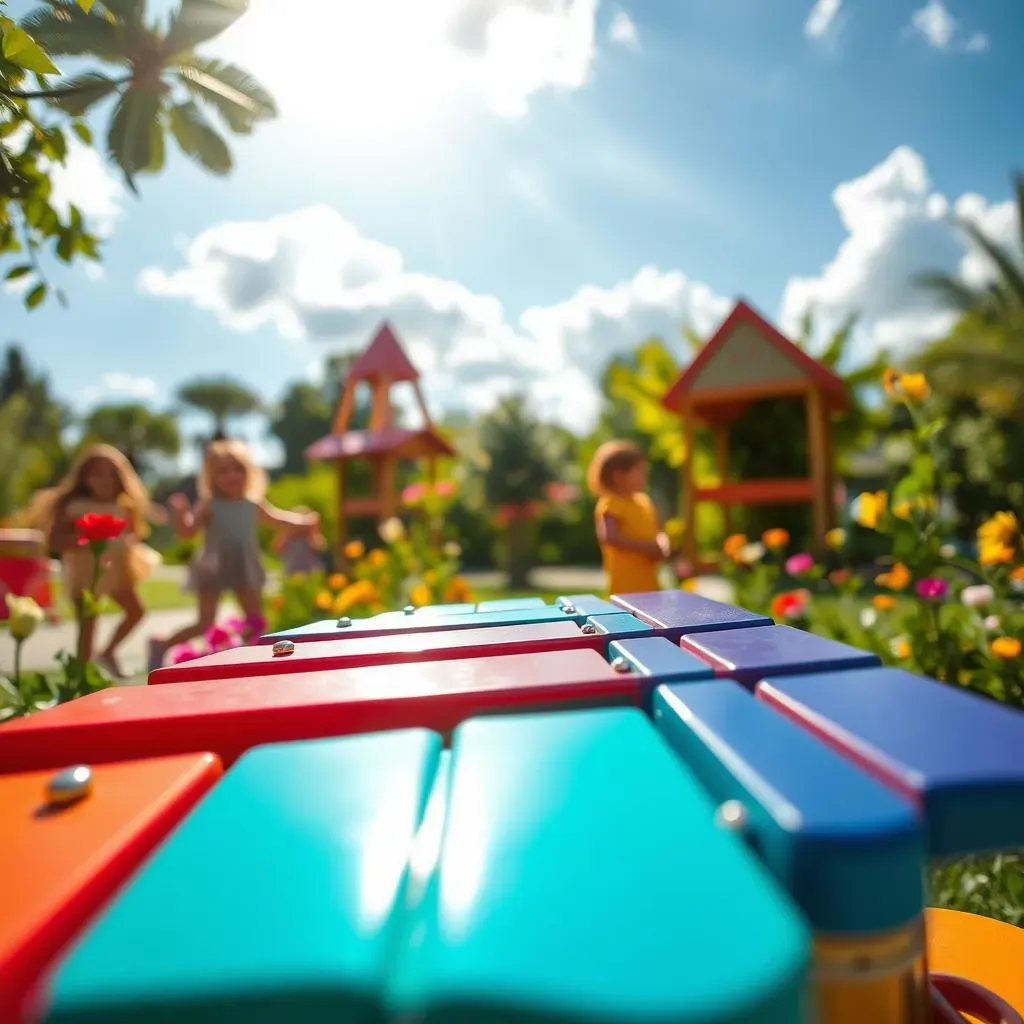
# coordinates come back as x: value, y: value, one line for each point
x: 183, y: 653
x: 360, y: 592
x: 798, y: 564
x: 414, y: 493
x: 354, y: 549
x: 992, y: 623
x: 884, y: 602
x: 733, y: 544
x: 868, y: 617
x: 1001, y: 529
x: 900, y: 648
x: 391, y: 530
x: 897, y: 578
x: 791, y: 604
x: 323, y: 600
x: 255, y: 624
x: 871, y: 508
x: 457, y: 591
x: 452, y: 550
x: 690, y: 585
x: 217, y: 637
x: 1005, y: 647
x: 420, y: 595
x: 978, y: 596
x: 377, y: 558
x: 836, y: 538
x: 99, y: 527
x: 336, y: 581
x: 775, y: 538
x: 911, y: 387
x: 23, y: 615
x: 995, y: 554
x: 931, y: 588
x: 1017, y: 575
x: 750, y: 553
x: 837, y: 577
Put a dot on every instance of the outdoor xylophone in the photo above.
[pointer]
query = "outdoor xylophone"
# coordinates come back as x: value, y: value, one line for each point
x: 655, y: 809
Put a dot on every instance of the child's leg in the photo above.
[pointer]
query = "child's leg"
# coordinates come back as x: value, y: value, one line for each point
x: 251, y: 603
x: 207, y: 602
x: 133, y: 613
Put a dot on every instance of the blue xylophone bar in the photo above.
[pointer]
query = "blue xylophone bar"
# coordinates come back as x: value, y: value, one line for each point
x: 657, y: 808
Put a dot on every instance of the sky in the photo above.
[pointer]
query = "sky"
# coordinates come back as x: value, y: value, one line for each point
x: 525, y: 188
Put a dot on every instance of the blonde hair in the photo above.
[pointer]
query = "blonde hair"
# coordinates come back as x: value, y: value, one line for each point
x: 133, y: 497
x: 611, y: 458
x: 255, y: 478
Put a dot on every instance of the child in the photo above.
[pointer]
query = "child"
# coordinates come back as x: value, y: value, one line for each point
x: 230, y: 508
x: 631, y: 539
x: 301, y: 550
x: 101, y: 480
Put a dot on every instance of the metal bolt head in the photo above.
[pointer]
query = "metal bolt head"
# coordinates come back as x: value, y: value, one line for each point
x: 344, y: 622
x: 620, y: 665
x: 282, y: 648
x: 569, y: 609
x: 69, y: 785
x: 409, y: 609
x: 732, y: 815
x: 589, y: 628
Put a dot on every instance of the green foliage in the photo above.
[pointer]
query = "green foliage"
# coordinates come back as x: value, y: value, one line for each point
x: 303, y: 416
x: 221, y: 398
x: 136, y: 430
x: 37, y: 691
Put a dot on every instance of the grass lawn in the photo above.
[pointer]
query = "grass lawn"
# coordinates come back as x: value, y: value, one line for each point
x: 158, y: 595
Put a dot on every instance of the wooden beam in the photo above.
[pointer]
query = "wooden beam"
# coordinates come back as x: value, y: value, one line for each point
x: 747, y: 393
x: 343, y: 416
x: 759, y: 492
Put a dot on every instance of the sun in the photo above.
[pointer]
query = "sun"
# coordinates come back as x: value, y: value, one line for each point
x: 378, y: 73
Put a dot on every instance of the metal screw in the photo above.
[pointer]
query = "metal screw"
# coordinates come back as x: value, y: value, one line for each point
x: 569, y: 609
x: 343, y: 622
x: 283, y: 648
x: 732, y: 815
x: 69, y: 785
x: 590, y: 629
x: 620, y: 665
x: 409, y: 609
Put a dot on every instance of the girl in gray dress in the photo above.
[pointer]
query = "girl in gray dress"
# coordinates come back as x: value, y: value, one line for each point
x: 231, y: 506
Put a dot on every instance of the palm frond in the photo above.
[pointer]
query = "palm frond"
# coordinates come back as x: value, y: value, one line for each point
x: 128, y: 12
x: 197, y: 139
x: 837, y: 344
x: 79, y: 94
x: 132, y: 140
x: 64, y: 29
x: 236, y: 96
x: 198, y: 21
x: 1010, y: 273
x: 1018, y: 188
x: 952, y: 292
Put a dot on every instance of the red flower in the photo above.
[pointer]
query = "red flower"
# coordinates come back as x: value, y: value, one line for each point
x: 99, y: 527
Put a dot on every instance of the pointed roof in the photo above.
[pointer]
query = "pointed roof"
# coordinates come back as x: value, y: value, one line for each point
x: 384, y: 357
x: 397, y: 441
x: 831, y: 386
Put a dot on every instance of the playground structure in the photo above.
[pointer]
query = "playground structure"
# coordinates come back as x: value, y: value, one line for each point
x: 657, y: 808
x: 383, y: 443
x: 746, y: 360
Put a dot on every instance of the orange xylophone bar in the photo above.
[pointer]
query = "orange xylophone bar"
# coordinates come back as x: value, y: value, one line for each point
x: 583, y: 864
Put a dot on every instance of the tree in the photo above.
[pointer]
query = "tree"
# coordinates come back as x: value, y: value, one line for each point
x: 23, y: 466
x: 983, y: 356
x: 302, y: 417
x: 220, y: 398
x: 523, y: 457
x: 164, y: 84
x: 136, y: 430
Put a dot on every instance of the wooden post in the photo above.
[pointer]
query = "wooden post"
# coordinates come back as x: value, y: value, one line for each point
x: 339, y: 530
x: 344, y: 413
x: 817, y: 447
x: 381, y: 412
x: 689, y: 499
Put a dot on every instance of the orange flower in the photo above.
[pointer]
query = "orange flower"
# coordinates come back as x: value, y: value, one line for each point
x: 775, y: 538
x: 897, y: 578
x: 377, y: 558
x: 995, y: 554
x: 1006, y: 647
x: 420, y: 595
x: 884, y: 602
x: 734, y: 544
x: 837, y: 577
x: 354, y: 549
x: 1017, y: 575
x: 336, y: 581
x: 911, y: 387
x: 323, y: 600
x: 457, y: 591
x: 901, y: 649
x: 790, y: 605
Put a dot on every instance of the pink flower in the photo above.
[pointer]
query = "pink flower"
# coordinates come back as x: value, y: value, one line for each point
x: 217, y: 637
x: 931, y: 588
x: 183, y: 653
x: 797, y: 564
x: 444, y: 488
x: 236, y: 624
x: 413, y: 493
x: 256, y: 624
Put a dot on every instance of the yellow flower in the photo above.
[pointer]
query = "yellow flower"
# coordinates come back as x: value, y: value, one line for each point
x: 901, y: 649
x: 1005, y: 647
x: 23, y: 615
x: 1001, y: 530
x: 452, y: 550
x: 911, y: 387
x: 734, y: 544
x: 690, y: 585
x: 354, y: 549
x: 775, y: 538
x: 884, y: 602
x: 457, y: 591
x: 995, y: 554
x: 836, y: 538
x: 377, y: 558
x: 897, y: 578
x: 337, y: 581
x: 903, y: 509
x: 420, y: 595
x: 391, y: 530
x: 323, y: 600
x: 871, y: 508
x: 360, y: 592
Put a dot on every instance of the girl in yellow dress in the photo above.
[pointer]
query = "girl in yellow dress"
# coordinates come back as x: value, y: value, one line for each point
x: 631, y: 539
x: 101, y: 480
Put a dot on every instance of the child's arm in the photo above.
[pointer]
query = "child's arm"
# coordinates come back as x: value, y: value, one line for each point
x: 608, y: 533
x: 187, y: 521
x: 62, y: 533
x: 271, y: 515
x: 157, y: 515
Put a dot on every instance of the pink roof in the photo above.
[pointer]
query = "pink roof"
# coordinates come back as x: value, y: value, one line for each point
x: 354, y: 444
x: 384, y: 357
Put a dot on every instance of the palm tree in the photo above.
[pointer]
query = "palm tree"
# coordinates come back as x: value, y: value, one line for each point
x: 136, y: 430
x: 220, y: 398
x: 164, y: 83
x: 983, y: 355
x: 521, y: 458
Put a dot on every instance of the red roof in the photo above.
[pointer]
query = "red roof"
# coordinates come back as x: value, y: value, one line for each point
x: 384, y: 357
x: 355, y: 444
x: 827, y: 383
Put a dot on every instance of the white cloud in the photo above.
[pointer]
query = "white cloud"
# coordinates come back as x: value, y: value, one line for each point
x: 937, y: 26
x: 119, y: 387
x: 898, y: 227
x: 85, y: 180
x: 623, y: 31
x: 822, y: 17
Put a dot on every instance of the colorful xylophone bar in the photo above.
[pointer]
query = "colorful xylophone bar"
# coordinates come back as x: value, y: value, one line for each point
x: 704, y: 817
